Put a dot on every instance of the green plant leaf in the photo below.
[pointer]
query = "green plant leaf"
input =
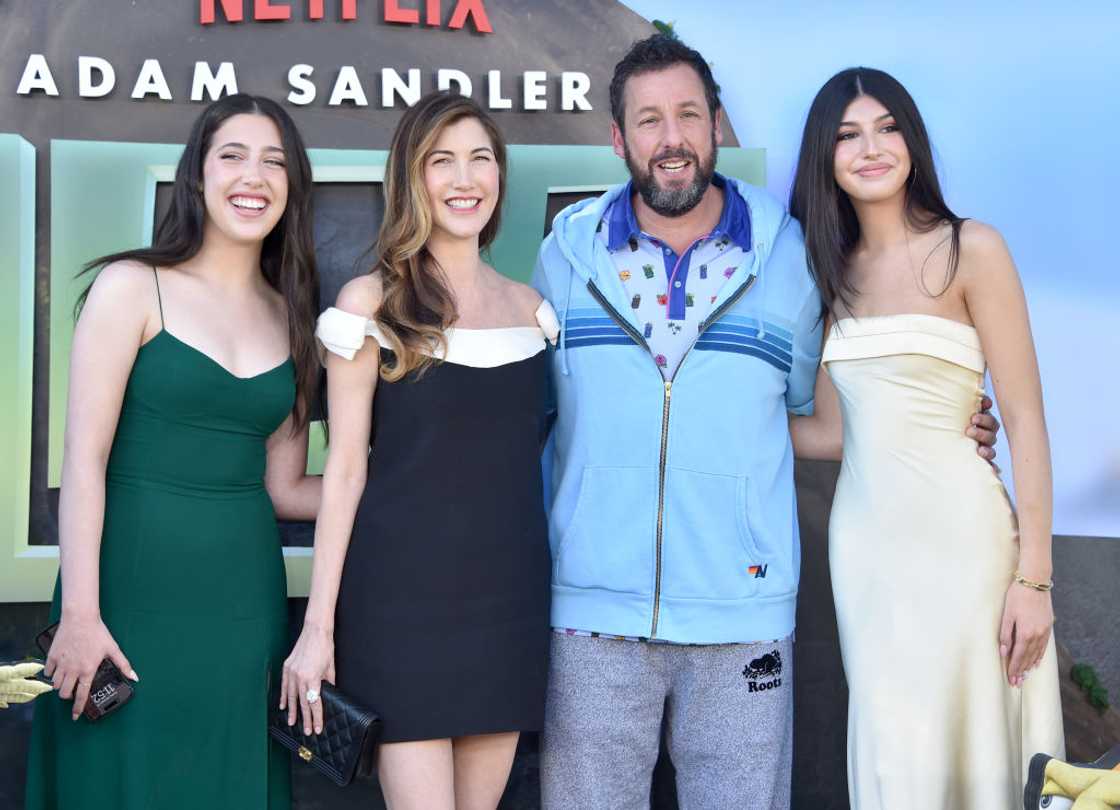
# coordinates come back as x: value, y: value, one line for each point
x: 1084, y: 676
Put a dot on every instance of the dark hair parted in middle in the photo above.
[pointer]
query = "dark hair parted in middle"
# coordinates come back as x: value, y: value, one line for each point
x: 654, y: 53
x: 288, y: 252
x: 416, y: 304
x: 823, y: 208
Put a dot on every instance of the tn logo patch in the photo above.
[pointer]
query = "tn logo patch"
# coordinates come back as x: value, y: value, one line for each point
x: 764, y: 673
x: 757, y: 571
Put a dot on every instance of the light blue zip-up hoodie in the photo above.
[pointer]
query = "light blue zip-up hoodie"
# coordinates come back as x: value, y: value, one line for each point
x: 672, y: 507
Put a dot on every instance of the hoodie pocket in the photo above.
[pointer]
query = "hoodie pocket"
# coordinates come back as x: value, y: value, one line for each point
x: 708, y: 550
x: 609, y: 540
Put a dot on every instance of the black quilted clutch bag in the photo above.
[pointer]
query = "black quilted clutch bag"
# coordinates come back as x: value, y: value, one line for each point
x: 346, y: 747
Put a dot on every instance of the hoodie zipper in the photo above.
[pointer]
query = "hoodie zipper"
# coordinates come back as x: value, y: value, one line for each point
x: 636, y: 336
x: 661, y: 505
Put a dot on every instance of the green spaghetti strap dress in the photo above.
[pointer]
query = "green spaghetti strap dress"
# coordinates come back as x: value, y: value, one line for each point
x: 193, y: 590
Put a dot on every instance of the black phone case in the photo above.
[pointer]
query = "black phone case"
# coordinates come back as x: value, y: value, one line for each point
x: 110, y: 688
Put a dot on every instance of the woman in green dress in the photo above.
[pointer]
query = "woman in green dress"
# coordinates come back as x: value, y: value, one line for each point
x: 191, y: 374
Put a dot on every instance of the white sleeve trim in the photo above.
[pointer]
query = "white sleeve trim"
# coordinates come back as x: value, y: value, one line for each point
x: 343, y: 333
x: 549, y: 323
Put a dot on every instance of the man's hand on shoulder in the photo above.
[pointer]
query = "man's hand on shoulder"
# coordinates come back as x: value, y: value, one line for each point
x: 985, y: 430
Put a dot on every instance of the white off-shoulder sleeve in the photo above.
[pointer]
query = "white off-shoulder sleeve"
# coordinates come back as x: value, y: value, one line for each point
x: 548, y: 322
x: 343, y: 333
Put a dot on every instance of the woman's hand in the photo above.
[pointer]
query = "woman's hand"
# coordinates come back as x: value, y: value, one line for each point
x: 311, y: 662
x: 1024, y: 632
x: 79, y: 647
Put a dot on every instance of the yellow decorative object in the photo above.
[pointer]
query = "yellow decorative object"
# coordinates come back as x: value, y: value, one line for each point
x: 18, y: 683
x: 305, y: 754
x: 1093, y: 788
x: 624, y: 275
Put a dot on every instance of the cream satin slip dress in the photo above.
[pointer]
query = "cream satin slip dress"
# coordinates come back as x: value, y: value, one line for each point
x: 923, y: 543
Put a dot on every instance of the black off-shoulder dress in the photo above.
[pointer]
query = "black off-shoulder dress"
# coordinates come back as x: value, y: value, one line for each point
x: 442, y: 619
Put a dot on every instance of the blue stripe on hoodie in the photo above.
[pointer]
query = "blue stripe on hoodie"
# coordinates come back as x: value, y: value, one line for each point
x: 672, y: 508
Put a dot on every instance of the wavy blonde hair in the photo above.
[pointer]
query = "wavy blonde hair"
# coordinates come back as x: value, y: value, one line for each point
x: 416, y: 304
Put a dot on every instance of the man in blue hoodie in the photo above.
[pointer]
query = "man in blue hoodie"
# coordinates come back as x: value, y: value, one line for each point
x: 690, y: 329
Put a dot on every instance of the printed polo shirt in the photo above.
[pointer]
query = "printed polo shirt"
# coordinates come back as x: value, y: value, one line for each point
x: 671, y: 294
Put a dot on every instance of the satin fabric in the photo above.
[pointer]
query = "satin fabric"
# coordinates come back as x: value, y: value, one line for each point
x: 923, y: 544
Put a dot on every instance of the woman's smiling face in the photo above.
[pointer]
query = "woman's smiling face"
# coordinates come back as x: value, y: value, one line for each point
x: 462, y: 180
x: 245, y: 178
x: 871, y: 162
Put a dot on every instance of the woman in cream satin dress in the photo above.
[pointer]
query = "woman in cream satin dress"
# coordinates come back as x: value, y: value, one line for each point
x: 941, y: 590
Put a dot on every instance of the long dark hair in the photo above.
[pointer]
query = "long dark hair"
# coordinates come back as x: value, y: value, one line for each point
x: 288, y: 252
x: 824, y: 210
x: 416, y: 304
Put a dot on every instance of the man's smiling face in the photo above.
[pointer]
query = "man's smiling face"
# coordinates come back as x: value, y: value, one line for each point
x: 670, y: 139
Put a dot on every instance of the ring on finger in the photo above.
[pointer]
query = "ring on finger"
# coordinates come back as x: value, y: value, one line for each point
x: 312, y: 695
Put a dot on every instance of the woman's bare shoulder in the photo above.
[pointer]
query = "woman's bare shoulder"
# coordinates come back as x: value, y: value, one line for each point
x: 361, y: 295
x: 983, y: 251
x: 980, y: 236
x: 526, y: 300
x: 122, y: 289
x: 126, y: 276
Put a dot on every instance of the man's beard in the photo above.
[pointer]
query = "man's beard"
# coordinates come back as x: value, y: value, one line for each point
x: 673, y: 202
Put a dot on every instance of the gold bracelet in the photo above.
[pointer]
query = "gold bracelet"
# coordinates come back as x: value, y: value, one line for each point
x: 1030, y: 583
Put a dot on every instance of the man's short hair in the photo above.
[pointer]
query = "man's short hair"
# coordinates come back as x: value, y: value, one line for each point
x: 654, y: 53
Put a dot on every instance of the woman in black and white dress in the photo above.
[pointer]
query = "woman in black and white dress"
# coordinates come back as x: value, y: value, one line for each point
x: 430, y: 586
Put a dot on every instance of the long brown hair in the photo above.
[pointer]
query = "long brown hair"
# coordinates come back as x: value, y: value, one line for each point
x: 288, y: 252
x: 825, y: 211
x: 416, y: 304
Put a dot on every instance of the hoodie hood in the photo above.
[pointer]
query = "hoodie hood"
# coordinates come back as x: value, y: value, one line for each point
x: 576, y: 225
x: 575, y: 229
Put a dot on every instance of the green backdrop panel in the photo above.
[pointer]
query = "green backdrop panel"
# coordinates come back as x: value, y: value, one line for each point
x: 26, y: 572
x: 102, y: 199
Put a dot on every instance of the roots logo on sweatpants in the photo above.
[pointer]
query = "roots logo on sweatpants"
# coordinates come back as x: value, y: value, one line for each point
x: 768, y: 666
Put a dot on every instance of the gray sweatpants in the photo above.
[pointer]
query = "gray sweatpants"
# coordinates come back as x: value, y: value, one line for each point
x: 728, y: 712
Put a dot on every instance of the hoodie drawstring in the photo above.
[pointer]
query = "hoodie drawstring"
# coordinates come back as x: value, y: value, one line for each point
x: 758, y: 246
x: 564, y: 329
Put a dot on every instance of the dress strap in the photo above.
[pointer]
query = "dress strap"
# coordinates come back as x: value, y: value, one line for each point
x: 159, y: 298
